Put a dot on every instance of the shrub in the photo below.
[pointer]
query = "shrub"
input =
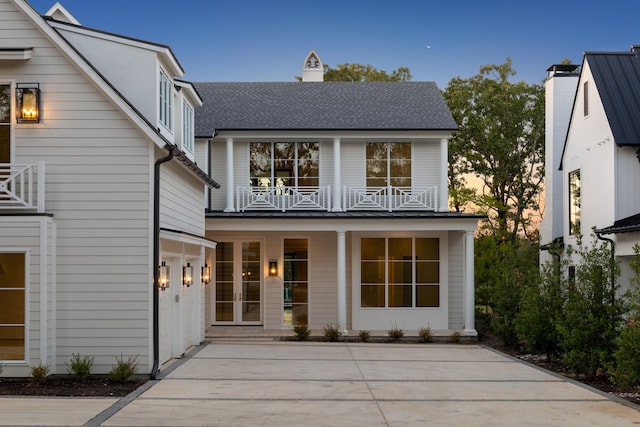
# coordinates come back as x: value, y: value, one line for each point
x: 627, y: 368
x: 301, y: 331
x: 80, y: 366
x: 425, y: 334
x: 123, y: 369
x: 39, y: 373
x: 332, y: 332
x: 395, y: 333
x: 364, y: 335
x: 455, y: 337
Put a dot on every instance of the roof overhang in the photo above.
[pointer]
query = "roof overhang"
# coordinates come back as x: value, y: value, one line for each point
x: 15, y: 53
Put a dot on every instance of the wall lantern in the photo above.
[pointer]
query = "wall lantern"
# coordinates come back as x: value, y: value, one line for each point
x: 205, y: 274
x: 163, y: 276
x: 273, y: 267
x: 187, y: 275
x: 28, y: 102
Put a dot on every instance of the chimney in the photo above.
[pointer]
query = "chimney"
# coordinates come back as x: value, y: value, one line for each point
x: 312, y: 69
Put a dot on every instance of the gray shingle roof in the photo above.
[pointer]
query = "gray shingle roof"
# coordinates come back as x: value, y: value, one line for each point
x: 321, y: 106
x: 617, y: 77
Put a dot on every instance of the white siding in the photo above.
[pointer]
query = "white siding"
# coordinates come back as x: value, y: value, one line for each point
x: 353, y: 163
x: 181, y: 201
x: 456, y: 279
x: 425, y: 164
x: 627, y: 176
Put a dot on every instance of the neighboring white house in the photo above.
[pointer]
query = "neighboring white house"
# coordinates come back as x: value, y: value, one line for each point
x: 597, y: 154
x: 333, y: 206
x: 88, y: 119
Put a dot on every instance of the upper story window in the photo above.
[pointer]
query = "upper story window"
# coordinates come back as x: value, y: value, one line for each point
x: 166, y: 101
x: 284, y: 164
x: 5, y: 123
x: 187, y: 128
x: 574, y: 202
x: 388, y: 164
x: 585, y: 98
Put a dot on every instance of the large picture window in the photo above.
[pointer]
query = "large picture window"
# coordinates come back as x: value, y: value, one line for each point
x: 12, y: 306
x: 388, y: 164
x: 574, y: 202
x: 400, y: 272
x: 284, y: 164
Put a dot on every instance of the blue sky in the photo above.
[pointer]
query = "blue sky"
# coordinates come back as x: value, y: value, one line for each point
x: 267, y: 40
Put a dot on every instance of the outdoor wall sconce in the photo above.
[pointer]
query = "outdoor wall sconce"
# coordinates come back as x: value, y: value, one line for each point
x: 205, y: 274
x: 187, y: 275
x: 273, y: 267
x: 28, y: 102
x: 163, y: 276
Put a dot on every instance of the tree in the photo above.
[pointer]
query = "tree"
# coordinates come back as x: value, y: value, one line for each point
x: 500, y: 142
x: 364, y: 73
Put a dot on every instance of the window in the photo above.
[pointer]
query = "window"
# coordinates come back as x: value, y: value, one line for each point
x: 187, y: 128
x: 296, y: 282
x: 5, y: 123
x: 400, y: 272
x: 574, y: 202
x: 166, y: 101
x: 12, y: 306
x: 388, y: 164
x: 585, y: 98
x: 284, y: 164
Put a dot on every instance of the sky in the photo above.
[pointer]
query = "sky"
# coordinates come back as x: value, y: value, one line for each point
x: 268, y: 40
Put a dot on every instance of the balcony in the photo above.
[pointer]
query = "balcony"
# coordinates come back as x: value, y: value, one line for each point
x: 283, y: 198
x: 22, y: 187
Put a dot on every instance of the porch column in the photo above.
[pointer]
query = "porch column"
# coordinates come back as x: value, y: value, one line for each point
x: 337, y: 178
x: 443, y: 203
x: 342, y: 281
x: 229, y: 187
x: 469, y: 287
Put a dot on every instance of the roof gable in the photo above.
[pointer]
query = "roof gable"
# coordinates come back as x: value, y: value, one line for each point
x: 321, y: 106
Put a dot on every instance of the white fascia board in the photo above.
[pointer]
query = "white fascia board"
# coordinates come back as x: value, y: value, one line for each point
x: 57, y: 40
x: 166, y: 55
x: 342, y: 134
x: 189, y: 92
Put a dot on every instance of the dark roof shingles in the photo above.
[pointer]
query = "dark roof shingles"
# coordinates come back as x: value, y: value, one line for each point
x: 321, y: 106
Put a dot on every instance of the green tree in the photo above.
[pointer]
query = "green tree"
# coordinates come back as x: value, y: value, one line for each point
x: 501, y: 143
x: 364, y: 73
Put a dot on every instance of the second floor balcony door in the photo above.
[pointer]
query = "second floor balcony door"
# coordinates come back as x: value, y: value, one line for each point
x: 238, y: 283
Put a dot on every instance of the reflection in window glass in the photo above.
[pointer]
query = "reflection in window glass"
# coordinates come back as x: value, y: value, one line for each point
x: 12, y: 306
x: 295, y: 282
x: 388, y: 163
x: 284, y: 164
x: 574, y: 202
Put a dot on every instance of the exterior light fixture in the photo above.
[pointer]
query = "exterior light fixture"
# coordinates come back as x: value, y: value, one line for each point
x: 205, y: 274
x: 163, y: 276
x: 187, y: 275
x: 273, y: 267
x: 28, y: 102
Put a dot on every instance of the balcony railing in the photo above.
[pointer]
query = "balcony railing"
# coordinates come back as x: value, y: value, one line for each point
x: 22, y: 186
x: 284, y: 198
x: 390, y: 198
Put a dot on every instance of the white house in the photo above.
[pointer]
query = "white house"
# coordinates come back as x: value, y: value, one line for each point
x: 598, y: 162
x: 333, y: 206
x: 98, y: 188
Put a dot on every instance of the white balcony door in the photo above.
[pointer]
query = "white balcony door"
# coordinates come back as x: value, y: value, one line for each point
x: 238, y: 283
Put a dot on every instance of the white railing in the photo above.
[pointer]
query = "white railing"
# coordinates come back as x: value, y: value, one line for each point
x: 283, y: 198
x: 390, y: 198
x: 22, y: 186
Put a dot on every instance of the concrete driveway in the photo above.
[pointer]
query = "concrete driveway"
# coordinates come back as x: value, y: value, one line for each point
x: 261, y: 382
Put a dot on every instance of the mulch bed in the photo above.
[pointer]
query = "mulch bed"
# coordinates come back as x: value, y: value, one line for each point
x: 65, y: 385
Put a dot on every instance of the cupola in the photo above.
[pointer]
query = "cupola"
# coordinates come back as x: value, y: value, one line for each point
x: 312, y: 69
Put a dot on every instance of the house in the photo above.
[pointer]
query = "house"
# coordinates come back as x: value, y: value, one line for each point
x: 597, y: 154
x: 333, y: 206
x: 100, y: 192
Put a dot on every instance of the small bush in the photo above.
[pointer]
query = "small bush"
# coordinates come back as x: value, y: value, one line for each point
x: 425, y: 334
x: 80, y: 366
x: 39, y: 373
x: 364, y: 335
x: 332, y: 332
x: 123, y: 369
x: 301, y: 331
x: 455, y: 337
x: 627, y: 370
x: 395, y: 333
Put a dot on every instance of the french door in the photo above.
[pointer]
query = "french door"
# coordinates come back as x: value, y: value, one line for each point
x: 238, y: 284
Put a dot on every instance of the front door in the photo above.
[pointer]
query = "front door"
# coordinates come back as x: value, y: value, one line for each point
x: 238, y: 283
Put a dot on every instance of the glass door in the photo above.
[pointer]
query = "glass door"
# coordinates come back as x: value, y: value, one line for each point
x: 238, y: 284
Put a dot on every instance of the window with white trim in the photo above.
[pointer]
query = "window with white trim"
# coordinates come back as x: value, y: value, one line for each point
x: 187, y: 128
x: 166, y: 101
x: 388, y: 164
x: 12, y: 305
